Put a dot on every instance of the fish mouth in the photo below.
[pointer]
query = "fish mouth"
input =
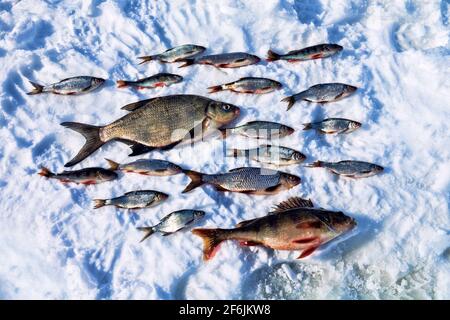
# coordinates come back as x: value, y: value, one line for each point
x: 351, y: 89
x: 257, y: 59
x: 237, y: 111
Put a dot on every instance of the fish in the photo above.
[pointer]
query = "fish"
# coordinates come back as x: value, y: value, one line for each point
x: 259, y: 130
x: 249, y: 180
x: 249, y: 85
x: 148, y: 167
x: 319, y: 51
x: 176, y: 54
x: 269, y: 154
x: 157, y: 80
x: 333, y: 125
x: 157, y: 123
x: 84, y: 176
x: 224, y: 60
x: 349, y: 168
x: 322, y: 93
x: 69, y: 86
x: 294, y: 225
x: 173, y: 222
x: 134, y: 200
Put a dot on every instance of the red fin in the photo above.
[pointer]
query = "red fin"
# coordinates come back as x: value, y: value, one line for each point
x: 306, y: 240
x: 121, y: 84
x: 249, y: 243
x: 89, y: 182
x: 293, y: 60
x: 223, y: 65
x: 307, y: 252
x: 211, y: 241
x: 160, y: 84
x: 317, y: 56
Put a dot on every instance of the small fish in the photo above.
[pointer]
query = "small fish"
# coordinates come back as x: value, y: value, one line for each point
x: 349, y: 168
x: 310, y: 53
x: 249, y: 85
x: 84, y: 176
x: 176, y: 54
x: 224, y: 60
x: 173, y: 222
x: 322, y: 93
x: 276, y: 155
x: 333, y: 125
x: 149, y: 167
x: 249, y: 180
x: 69, y: 86
x: 294, y: 225
x: 157, y: 80
x: 259, y: 130
x: 134, y: 200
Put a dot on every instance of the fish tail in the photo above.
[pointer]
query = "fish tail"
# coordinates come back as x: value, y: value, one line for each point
x: 45, y: 172
x: 235, y: 153
x: 187, y: 62
x: 315, y: 164
x: 215, y: 89
x: 197, y: 180
x: 147, y: 59
x: 148, y: 232
x: 272, y: 56
x: 290, y: 100
x: 37, y: 88
x: 211, y: 241
x: 112, y: 165
x: 98, y: 203
x: 92, y: 136
x: 122, y: 83
x: 307, y: 126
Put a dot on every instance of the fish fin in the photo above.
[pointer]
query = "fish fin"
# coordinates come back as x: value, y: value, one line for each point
x: 122, y: 83
x: 148, y: 232
x: 196, y: 178
x: 290, y: 100
x: 89, y: 182
x: 315, y: 164
x: 165, y: 234
x: 37, y: 88
x: 112, y: 165
x: 307, y: 126
x: 307, y: 252
x: 187, y: 62
x: 317, y: 56
x: 98, y: 203
x: 211, y: 240
x: 306, y: 240
x: 147, y: 58
x: 45, y: 172
x: 92, y: 136
x: 138, y: 149
x: 293, y: 203
x: 244, y: 223
x: 237, y: 169
x: 215, y: 89
x: 225, y: 132
x: 249, y: 243
x: 272, y: 56
x: 273, y: 189
x: 169, y: 146
x: 136, y: 105
x: 220, y: 188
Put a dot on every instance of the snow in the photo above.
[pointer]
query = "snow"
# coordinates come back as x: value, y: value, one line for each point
x: 55, y: 246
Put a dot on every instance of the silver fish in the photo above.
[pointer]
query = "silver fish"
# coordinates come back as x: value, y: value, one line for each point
x: 224, y: 60
x: 310, y: 53
x: 69, y: 86
x: 333, y: 125
x: 133, y: 200
x: 276, y: 155
x: 349, y: 168
x: 84, y: 176
x: 173, y: 222
x: 322, y: 93
x: 248, y: 180
x: 259, y: 129
x: 149, y: 167
x: 176, y: 54
x: 249, y: 85
x: 157, y: 80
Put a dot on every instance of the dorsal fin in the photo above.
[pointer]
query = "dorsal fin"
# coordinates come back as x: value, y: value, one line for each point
x: 136, y: 105
x: 237, y: 169
x: 293, y: 203
x: 244, y: 223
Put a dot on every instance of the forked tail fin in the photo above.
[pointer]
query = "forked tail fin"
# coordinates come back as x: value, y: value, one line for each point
x: 98, y: 203
x: 92, y: 136
x: 196, y: 178
x: 272, y: 56
x: 121, y: 83
x: 290, y: 100
x: 37, y: 88
x: 147, y: 58
x: 211, y: 241
x: 45, y: 172
x: 307, y: 126
x: 187, y: 62
x: 148, y: 232
x: 112, y: 165
x: 215, y: 89
x: 315, y: 164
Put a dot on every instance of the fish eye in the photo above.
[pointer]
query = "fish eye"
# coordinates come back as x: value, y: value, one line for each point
x: 226, y: 107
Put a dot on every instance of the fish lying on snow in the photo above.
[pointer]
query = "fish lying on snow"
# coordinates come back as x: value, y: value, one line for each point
x: 259, y: 130
x: 84, y: 176
x: 310, y: 53
x: 277, y: 155
x: 157, y: 123
x: 322, y: 93
x: 349, y: 168
x: 134, y: 200
x: 176, y: 54
x: 224, y: 60
x: 248, y: 180
x: 148, y: 167
x: 294, y: 225
x: 69, y: 86
x: 333, y: 125
x: 249, y: 85
x: 157, y: 80
x: 173, y: 222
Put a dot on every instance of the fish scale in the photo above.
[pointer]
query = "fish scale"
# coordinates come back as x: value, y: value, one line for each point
x: 246, y: 179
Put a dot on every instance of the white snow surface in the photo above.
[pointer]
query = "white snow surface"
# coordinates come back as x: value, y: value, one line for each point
x: 53, y: 245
